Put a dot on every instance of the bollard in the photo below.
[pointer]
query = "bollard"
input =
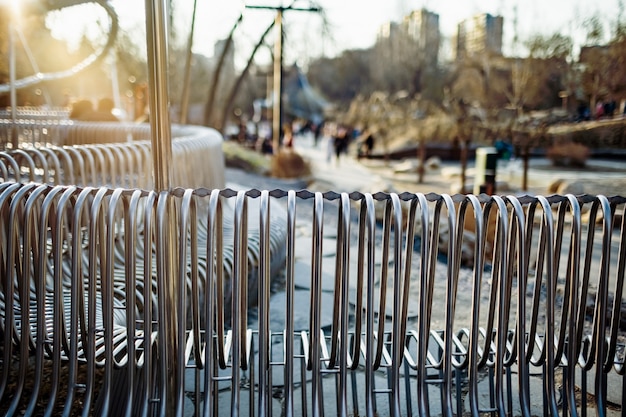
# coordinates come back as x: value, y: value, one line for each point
x: 485, y: 177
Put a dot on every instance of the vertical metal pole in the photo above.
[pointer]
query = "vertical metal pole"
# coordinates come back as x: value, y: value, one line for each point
x: 278, y: 83
x: 156, y: 34
x: 156, y: 39
x: 14, y: 138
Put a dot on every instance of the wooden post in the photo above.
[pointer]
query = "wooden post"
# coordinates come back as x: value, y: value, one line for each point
x: 278, y: 69
x: 525, y: 173
x: 422, y: 161
x: 464, y: 144
x: 277, y: 113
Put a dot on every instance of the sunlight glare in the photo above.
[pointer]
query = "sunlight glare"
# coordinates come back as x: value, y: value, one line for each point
x: 72, y: 23
x: 15, y: 10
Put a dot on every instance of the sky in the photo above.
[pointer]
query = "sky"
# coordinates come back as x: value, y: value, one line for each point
x: 352, y: 24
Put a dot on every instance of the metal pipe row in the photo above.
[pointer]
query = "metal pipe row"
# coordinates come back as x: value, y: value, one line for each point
x: 82, y: 302
x: 117, y: 164
x: 32, y: 112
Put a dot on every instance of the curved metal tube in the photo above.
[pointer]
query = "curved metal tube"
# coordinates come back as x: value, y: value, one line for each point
x: 81, y: 290
x: 87, y: 62
x: 315, y: 331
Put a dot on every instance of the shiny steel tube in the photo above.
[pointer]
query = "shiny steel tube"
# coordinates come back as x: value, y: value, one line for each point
x: 11, y: 163
x: 156, y: 34
x: 619, y: 289
x: 397, y: 338
x: 520, y: 254
x: 472, y: 202
x: 20, y: 155
x: 573, y: 280
x: 34, y: 244
x: 429, y: 247
x: 116, y: 163
x: 290, y: 305
x: 265, y: 398
x: 11, y: 292
x: 83, y: 264
x: 214, y: 316
x: 367, y: 223
x: 168, y: 296
x: 94, y: 323
x: 239, y: 300
x: 600, y: 319
x: 315, y: 329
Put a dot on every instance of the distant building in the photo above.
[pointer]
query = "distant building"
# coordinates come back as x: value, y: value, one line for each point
x: 387, y: 31
x: 389, y: 42
x: 480, y: 34
x: 591, y: 53
x: 423, y: 27
x: 420, y: 29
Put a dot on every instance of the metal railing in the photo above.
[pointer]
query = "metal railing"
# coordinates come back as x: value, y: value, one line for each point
x: 366, y: 318
x: 36, y: 113
x: 114, y: 155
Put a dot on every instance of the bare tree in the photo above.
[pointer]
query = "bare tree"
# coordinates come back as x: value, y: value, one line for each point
x: 521, y: 75
x: 547, y: 62
x: 233, y: 92
x: 208, y: 110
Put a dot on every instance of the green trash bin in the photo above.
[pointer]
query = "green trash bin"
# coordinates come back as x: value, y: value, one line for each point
x: 486, y: 165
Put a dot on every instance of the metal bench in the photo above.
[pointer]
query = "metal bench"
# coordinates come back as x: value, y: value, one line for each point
x: 366, y: 322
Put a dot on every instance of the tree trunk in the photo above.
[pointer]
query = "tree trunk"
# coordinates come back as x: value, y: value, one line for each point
x: 208, y: 110
x: 464, y: 146
x: 594, y: 96
x: 233, y: 92
x: 184, y: 101
x: 422, y: 159
x: 525, y: 156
